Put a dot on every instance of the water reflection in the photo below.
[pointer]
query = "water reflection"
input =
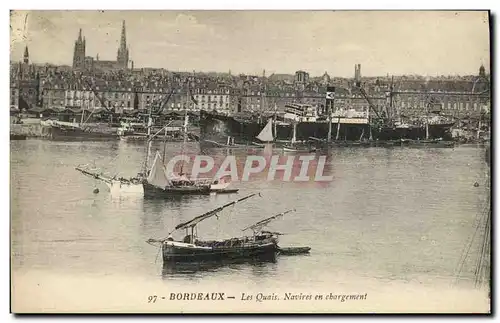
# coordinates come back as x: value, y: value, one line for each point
x: 258, y: 266
x: 175, y: 200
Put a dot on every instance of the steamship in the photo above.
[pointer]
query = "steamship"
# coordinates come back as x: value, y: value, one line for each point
x: 347, y: 125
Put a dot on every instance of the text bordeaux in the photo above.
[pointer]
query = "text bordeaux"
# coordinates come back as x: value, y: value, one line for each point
x: 197, y: 296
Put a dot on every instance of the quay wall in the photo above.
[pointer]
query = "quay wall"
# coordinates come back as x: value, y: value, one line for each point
x: 30, y: 130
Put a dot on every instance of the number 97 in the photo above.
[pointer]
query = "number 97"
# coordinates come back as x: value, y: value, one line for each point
x: 152, y: 299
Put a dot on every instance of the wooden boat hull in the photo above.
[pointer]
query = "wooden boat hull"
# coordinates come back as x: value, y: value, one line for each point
x: 17, y: 137
x: 156, y: 192
x: 61, y: 133
x: 185, y: 252
x: 118, y: 187
x: 175, y: 268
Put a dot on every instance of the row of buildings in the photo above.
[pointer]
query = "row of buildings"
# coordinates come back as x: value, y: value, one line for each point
x: 92, y: 83
x: 254, y: 98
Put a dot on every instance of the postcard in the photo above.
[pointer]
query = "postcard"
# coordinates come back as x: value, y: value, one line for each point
x: 219, y: 161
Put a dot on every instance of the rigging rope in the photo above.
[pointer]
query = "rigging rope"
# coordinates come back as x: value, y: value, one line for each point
x: 483, y: 216
x: 483, y: 255
x: 468, y: 246
x: 159, y: 248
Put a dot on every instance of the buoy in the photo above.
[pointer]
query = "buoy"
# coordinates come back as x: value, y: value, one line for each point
x: 96, y: 190
x: 476, y: 184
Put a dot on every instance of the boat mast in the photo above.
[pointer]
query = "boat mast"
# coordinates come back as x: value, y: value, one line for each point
x: 427, y: 118
x: 427, y: 127
x: 329, y: 111
x: 275, y: 135
x: 149, y: 140
x: 184, y: 135
x: 479, y: 124
x: 391, y: 101
x: 274, y: 123
x: 338, y: 129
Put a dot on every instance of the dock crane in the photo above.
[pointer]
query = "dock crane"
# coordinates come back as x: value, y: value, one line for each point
x: 380, y: 120
x: 101, y: 100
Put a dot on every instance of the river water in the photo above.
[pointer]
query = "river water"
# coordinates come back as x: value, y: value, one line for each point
x: 392, y: 224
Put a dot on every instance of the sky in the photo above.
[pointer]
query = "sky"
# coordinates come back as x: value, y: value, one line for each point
x: 395, y: 42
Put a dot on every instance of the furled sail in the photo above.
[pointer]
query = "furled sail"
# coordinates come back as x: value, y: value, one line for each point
x: 259, y: 225
x: 157, y: 176
x: 198, y: 219
x: 266, y: 134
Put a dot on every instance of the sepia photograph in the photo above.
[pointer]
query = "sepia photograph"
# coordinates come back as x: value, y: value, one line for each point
x: 250, y: 161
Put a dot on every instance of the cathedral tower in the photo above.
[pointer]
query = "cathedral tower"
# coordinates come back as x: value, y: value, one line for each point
x: 79, y: 53
x: 26, y: 58
x: 122, y: 56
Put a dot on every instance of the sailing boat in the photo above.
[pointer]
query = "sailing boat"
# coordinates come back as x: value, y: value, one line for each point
x: 160, y: 184
x: 266, y: 135
x: 261, y: 245
x: 190, y: 249
x: 134, y: 185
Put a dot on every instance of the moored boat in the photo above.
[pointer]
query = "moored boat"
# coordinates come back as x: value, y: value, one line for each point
x: 192, y: 249
x: 17, y: 137
x: 262, y: 244
x: 116, y: 186
x: 59, y: 130
x: 229, y: 144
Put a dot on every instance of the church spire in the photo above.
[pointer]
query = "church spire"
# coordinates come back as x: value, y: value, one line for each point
x: 26, y: 56
x: 122, y: 57
x: 123, y: 40
x: 80, y: 35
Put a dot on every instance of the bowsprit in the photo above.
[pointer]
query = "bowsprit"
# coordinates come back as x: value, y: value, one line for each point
x: 197, y: 296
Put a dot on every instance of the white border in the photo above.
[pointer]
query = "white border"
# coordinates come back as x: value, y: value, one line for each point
x: 185, y: 4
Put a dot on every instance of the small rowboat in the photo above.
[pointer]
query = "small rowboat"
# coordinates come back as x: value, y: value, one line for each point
x: 215, y: 144
x: 294, y: 250
x: 305, y: 150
